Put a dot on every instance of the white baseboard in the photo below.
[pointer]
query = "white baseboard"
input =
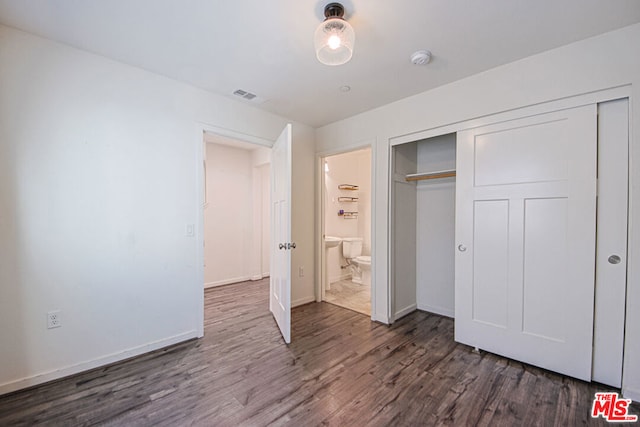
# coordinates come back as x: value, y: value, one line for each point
x: 403, y: 312
x: 630, y: 393
x: 380, y: 317
x: 302, y: 301
x: 442, y: 311
x: 228, y: 281
x: 95, y: 363
x: 346, y: 276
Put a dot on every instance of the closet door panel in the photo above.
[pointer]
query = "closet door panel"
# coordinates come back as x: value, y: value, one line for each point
x: 525, y: 236
x: 545, y: 268
x: 533, y: 152
x: 490, y: 273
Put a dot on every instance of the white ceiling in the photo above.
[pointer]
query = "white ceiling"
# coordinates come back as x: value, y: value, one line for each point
x: 266, y: 47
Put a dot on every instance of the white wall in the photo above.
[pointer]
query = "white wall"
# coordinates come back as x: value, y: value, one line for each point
x: 435, y: 227
x: 404, y: 239
x: 229, y: 229
x: 100, y: 173
x: 606, y: 61
x: 303, y: 215
x: 348, y: 168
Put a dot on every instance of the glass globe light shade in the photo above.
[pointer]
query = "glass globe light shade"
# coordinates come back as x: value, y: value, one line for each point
x: 333, y: 41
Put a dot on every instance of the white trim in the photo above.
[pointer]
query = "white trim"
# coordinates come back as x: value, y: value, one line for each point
x: 229, y: 281
x: 366, y: 143
x: 200, y: 156
x: 230, y: 133
x: 442, y: 311
x: 517, y: 113
x: 630, y: 393
x: 94, y: 363
x: 409, y: 309
x: 302, y: 301
x: 334, y: 279
x: 392, y: 178
x: 319, y: 230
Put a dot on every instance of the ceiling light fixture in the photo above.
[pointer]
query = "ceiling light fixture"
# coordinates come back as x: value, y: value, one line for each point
x: 334, y: 37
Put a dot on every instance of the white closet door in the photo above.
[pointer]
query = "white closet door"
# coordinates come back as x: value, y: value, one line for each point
x: 525, y: 237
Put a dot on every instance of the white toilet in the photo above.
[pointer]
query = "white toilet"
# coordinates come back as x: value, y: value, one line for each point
x: 360, y: 265
x: 364, y: 265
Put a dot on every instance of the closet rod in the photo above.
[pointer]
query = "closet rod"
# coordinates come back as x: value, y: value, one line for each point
x: 430, y: 175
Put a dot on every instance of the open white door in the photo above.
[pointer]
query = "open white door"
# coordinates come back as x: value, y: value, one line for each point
x: 281, y: 245
x: 525, y: 239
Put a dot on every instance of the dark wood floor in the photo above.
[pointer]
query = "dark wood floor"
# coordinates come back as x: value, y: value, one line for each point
x: 341, y: 369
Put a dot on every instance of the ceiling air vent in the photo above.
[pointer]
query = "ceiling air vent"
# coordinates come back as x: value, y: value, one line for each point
x: 244, y: 94
x: 248, y: 96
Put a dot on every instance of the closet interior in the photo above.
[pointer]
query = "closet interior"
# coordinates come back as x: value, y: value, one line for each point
x: 423, y: 226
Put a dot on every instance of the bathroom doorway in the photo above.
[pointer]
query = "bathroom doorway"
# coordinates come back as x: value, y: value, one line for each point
x: 346, y: 223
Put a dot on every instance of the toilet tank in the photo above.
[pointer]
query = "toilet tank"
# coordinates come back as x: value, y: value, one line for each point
x: 351, y: 247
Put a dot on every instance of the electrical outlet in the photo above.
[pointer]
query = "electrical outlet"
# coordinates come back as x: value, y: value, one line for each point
x: 53, y: 319
x: 301, y: 271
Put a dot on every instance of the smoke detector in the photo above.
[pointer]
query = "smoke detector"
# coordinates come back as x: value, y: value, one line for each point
x: 421, y: 57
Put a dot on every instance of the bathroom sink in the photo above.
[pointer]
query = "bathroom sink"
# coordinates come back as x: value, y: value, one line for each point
x: 331, y: 242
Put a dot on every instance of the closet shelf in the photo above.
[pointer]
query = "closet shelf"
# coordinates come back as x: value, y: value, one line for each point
x: 430, y: 175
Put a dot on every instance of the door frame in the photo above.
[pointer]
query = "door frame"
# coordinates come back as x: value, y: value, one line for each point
x: 610, y: 94
x: 320, y: 223
x: 200, y: 156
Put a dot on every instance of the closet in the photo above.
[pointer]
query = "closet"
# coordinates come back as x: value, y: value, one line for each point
x: 423, y: 200
x: 516, y: 226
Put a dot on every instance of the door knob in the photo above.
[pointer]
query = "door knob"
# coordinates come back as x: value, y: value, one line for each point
x: 462, y: 248
x: 614, y: 259
x: 281, y: 246
x: 291, y: 245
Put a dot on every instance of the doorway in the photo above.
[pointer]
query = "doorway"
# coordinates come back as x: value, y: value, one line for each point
x: 346, y: 225
x: 236, y: 210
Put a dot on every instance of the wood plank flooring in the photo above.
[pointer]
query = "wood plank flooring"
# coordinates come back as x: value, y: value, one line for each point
x: 340, y: 370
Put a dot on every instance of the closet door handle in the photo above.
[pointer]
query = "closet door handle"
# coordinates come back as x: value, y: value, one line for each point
x: 281, y: 246
x: 614, y: 259
x: 462, y: 248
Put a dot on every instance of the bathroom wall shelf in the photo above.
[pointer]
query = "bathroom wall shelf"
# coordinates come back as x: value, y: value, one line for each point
x: 348, y: 187
x: 430, y: 175
x: 347, y: 199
